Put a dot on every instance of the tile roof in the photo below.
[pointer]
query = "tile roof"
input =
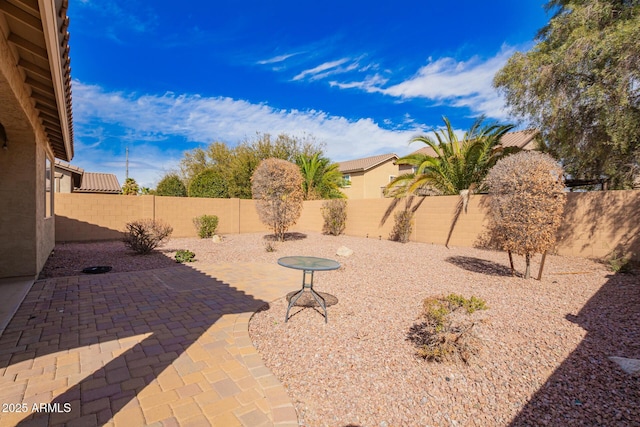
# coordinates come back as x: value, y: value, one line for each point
x: 69, y: 167
x: 364, y: 164
x: 524, y: 139
x: 426, y: 150
x: 98, y: 183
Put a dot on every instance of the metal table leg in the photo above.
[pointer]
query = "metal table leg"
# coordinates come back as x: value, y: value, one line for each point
x: 319, y: 299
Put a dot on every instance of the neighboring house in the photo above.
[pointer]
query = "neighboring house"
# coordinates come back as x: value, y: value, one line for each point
x: 72, y: 179
x: 366, y: 178
x: 35, y: 127
x: 66, y: 177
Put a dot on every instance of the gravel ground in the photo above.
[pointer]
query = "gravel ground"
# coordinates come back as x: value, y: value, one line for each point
x: 545, y: 344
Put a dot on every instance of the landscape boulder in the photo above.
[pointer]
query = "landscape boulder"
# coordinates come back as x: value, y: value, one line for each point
x: 344, y: 251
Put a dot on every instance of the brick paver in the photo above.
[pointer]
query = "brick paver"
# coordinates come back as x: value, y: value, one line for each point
x: 159, y: 347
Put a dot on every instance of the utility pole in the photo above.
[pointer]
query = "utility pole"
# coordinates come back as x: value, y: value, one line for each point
x: 127, y: 156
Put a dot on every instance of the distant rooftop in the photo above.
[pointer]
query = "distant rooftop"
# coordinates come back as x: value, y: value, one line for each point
x: 90, y: 182
x: 366, y: 163
x: 98, y: 183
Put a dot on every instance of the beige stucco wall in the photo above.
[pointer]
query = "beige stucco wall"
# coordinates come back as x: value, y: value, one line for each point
x: 356, y: 189
x: 368, y: 185
x: 26, y: 236
x: 179, y: 214
x: 64, y: 181
x: 594, y: 224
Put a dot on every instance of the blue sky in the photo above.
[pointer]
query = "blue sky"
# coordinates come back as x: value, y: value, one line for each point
x: 363, y: 77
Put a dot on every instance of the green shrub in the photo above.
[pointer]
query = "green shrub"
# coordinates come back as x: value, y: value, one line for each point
x: 470, y: 305
x: 144, y: 235
x: 184, y: 255
x: 206, y: 225
x: 209, y: 183
x: 620, y: 263
x: 441, y: 338
x: 402, y: 226
x: 171, y: 185
x: 334, y: 213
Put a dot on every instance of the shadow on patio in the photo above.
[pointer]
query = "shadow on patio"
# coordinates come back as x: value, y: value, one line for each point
x: 138, y: 345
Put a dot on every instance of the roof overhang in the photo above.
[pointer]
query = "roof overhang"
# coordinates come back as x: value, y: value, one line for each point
x: 39, y: 37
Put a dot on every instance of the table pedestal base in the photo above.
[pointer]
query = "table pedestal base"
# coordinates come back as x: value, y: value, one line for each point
x: 307, y: 286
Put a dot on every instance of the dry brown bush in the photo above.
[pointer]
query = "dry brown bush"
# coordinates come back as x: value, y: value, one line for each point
x: 402, y: 226
x: 144, y: 235
x: 276, y: 185
x: 527, y: 201
x: 445, y: 333
x: 334, y: 213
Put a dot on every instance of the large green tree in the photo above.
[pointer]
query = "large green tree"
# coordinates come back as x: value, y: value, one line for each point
x: 456, y: 165
x: 580, y: 85
x: 237, y: 164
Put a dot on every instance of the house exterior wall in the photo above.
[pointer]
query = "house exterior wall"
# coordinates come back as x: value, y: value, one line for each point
x: 594, y: 225
x: 26, y: 236
x: 356, y: 189
x: 64, y: 181
x: 369, y: 184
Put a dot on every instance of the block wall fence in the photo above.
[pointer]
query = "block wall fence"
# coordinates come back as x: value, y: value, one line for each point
x: 595, y: 224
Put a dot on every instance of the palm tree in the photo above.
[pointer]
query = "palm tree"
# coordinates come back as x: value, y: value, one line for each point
x: 451, y: 165
x: 130, y: 187
x: 321, y: 178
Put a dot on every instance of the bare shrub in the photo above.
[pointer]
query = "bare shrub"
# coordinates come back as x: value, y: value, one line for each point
x: 446, y: 331
x: 527, y: 201
x: 334, y: 213
x: 144, y: 235
x: 277, y: 187
x: 402, y: 226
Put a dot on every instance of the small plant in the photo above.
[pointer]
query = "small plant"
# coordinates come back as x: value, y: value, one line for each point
x: 185, y: 255
x: 470, y: 305
x: 334, y: 213
x: 620, y: 263
x: 435, y: 312
x: 270, y: 246
x: 206, y: 225
x: 144, y: 235
x: 402, y: 227
x: 443, y: 334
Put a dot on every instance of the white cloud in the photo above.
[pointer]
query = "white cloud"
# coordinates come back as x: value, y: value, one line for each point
x: 151, y: 124
x: 369, y: 84
x: 459, y: 83
x: 321, y: 70
x: 276, y: 59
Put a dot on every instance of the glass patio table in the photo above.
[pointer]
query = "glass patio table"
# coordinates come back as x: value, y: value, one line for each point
x: 308, y: 265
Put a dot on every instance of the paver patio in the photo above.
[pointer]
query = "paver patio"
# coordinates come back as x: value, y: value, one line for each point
x: 159, y: 347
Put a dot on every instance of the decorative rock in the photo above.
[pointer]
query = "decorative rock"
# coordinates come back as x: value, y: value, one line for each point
x: 630, y: 366
x: 344, y: 251
x: 216, y: 238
